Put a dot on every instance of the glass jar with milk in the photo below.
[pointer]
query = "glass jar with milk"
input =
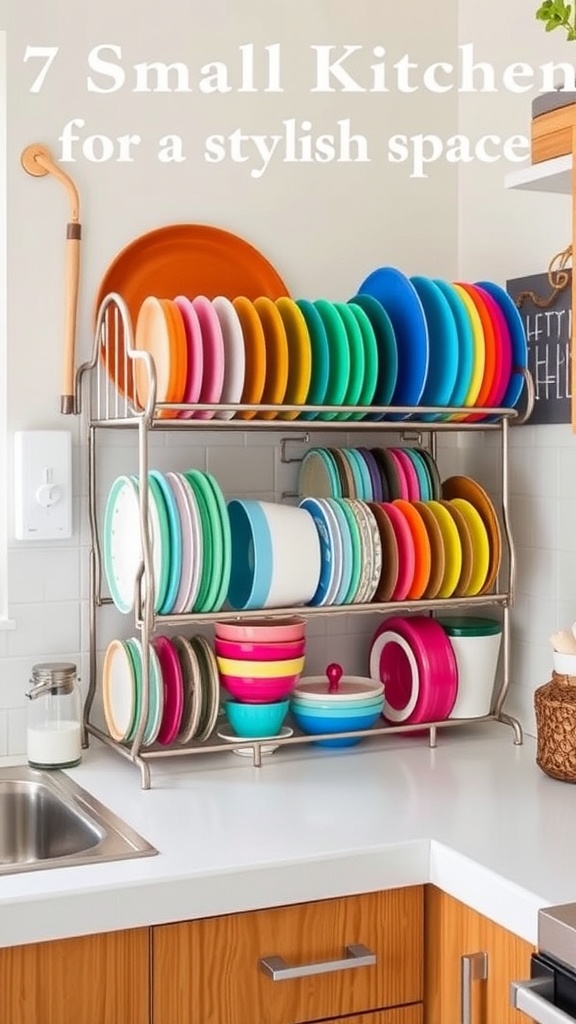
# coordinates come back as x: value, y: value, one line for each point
x: 54, y: 734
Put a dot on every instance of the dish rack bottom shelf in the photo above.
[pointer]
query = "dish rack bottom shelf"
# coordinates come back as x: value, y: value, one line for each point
x: 143, y: 758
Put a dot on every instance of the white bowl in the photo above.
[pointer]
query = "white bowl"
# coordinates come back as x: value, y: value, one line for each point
x: 296, y: 559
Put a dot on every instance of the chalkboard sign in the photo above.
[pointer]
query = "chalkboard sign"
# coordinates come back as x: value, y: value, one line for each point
x: 548, y: 331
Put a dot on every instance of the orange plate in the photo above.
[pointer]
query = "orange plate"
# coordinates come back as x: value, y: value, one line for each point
x: 422, y: 548
x: 162, y: 335
x: 470, y: 490
x: 437, y: 553
x: 276, y: 354
x: 183, y: 259
x: 490, y: 350
x: 255, y: 354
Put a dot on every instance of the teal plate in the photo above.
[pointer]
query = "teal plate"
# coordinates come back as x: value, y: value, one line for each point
x: 335, y: 504
x: 465, y: 342
x: 320, y: 356
x: 387, y: 349
x: 422, y: 472
x: 212, y: 541
x: 361, y: 474
x: 357, y: 551
x: 226, y: 532
x: 165, y: 554
x: 318, y: 476
x: 443, y: 345
x: 370, y: 355
x: 357, y: 361
x: 175, y: 543
x: 339, y: 350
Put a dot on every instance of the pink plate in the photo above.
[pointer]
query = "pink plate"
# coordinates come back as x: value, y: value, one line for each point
x: 195, y: 365
x: 406, y: 551
x: 392, y: 660
x: 410, y: 474
x: 438, y: 673
x: 213, y: 349
x: 173, y: 689
x: 400, y: 473
x: 267, y: 630
x: 503, y: 350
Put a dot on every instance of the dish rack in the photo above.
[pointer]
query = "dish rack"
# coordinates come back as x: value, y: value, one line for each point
x: 107, y: 408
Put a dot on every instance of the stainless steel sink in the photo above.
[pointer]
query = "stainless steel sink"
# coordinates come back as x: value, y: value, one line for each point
x: 47, y: 821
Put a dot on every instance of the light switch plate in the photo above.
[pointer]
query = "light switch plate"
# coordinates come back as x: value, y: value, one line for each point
x: 43, y: 484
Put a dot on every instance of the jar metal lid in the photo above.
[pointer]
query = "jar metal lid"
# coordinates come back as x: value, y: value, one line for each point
x: 58, y: 675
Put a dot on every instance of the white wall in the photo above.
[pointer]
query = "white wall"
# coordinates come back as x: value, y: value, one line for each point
x: 506, y: 234
x: 324, y: 227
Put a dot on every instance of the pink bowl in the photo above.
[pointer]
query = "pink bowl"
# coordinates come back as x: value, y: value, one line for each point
x: 264, y: 630
x: 259, y: 651
x: 259, y: 691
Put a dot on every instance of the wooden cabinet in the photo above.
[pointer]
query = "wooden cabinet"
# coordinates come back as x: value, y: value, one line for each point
x: 452, y: 931
x: 207, y: 971
x: 96, y: 979
x: 403, y: 1015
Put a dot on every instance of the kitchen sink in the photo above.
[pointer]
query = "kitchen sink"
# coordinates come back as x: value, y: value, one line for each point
x: 48, y: 821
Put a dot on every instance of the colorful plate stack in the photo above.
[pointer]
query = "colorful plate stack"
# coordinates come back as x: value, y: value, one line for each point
x: 335, y: 703
x: 260, y: 662
x: 184, y: 692
x: 415, y: 661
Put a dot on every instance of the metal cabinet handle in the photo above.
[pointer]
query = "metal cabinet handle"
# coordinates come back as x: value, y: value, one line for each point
x: 531, y: 997
x: 277, y: 968
x: 472, y: 968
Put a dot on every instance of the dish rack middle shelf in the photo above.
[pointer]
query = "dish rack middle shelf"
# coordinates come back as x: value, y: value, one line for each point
x: 106, y: 407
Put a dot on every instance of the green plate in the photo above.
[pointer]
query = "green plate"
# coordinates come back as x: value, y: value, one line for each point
x: 224, y: 519
x: 356, y: 552
x: 357, y: 361
x: 339, y: 367
x: 212, y: 541
x: 361, y: 474
x: 422, y: 472
x: 370, y: 355
x: 387, y: 348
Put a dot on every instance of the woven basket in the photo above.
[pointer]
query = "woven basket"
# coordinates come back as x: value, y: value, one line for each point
x: 555, y: 705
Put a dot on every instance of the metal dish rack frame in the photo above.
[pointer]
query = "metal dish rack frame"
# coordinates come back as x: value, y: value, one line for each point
x: 106, y: 408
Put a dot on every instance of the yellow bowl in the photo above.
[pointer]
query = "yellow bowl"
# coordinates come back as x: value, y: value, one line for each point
x: 260, y: 669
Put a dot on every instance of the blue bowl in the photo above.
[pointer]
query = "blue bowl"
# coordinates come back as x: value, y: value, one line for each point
x: 254, y: 721
x: 251, y: 568
x: 315, y: 725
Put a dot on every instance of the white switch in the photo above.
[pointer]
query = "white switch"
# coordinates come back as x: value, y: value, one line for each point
x: 43, y: 484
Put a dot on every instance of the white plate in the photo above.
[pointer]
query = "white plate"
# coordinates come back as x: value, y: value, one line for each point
x: 228, y: 734
x: 121, y: 536
x: 118, y: 690
x: 195, y: 537
x: 234, y: 354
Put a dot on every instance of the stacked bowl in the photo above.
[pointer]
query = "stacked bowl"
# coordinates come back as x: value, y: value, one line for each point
x: 335, y: 703
x: 260, y: 662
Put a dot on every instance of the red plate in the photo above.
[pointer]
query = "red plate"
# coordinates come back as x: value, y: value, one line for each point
x: 503, y: 349
x: 406, y: 551
x: 173, y: 689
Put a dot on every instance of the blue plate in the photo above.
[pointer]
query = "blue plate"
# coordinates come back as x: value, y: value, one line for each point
x: 465, y: 342
x: 387, y: 350
x: 162, y: 493
x: 518, y: 339
x: 442, y: 341
x: 320, y: 356
x: 327, y: 564
x: 347, y: 550
x: 362, y: 479
x: 423, y: 474
x: 400, y: 300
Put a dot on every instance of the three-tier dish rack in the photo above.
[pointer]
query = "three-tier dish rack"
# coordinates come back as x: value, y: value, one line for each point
x: 106, y: 408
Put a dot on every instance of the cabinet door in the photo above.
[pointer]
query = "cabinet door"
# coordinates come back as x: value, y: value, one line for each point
x: 97, y: 979
x: 207, y: 971
x: 452, y: 931
x: 403, y: 1015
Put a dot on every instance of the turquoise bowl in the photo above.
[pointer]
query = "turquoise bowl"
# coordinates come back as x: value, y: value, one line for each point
x: 254, y: 721
x: 315, y: 725
x: 323, y: 707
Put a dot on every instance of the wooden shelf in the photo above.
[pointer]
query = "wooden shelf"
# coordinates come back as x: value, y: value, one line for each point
x: 549, y: 176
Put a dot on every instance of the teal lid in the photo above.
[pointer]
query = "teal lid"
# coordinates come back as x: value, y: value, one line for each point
x: 474, y: 625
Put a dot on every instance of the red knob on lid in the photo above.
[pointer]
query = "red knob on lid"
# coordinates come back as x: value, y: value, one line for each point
x: 334, y: 675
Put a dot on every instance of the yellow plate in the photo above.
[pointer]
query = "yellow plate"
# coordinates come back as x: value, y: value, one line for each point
x: 480, y: 544
x: 452, y: 549
x: 276, y: 354
x: 299, y: 355
x: 255, y: 354
x: 479, y: 348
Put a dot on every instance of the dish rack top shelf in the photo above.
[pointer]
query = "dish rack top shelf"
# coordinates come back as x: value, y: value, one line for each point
x: 114, y: 356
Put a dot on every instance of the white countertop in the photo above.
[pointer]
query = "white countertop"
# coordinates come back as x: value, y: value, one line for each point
x: 474, y: 816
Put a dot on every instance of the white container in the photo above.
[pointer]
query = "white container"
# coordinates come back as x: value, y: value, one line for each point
x: 54, y: 733
x: 564, y: 664
x: 476, y: 643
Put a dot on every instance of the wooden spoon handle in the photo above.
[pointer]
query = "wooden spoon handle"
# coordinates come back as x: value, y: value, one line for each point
x: 72, y: 275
